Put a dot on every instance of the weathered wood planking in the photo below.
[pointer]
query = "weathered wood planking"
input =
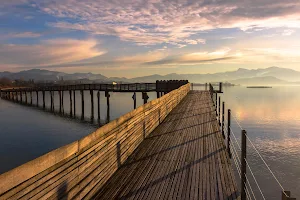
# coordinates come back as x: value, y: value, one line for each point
x: 80, y: 169
x: 183, y: 158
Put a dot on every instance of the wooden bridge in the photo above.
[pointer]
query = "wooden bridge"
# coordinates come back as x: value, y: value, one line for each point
x: 169, y: 148
x: 25, y: 95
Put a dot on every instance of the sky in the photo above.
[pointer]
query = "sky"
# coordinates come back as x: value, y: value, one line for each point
x: 129, y: 38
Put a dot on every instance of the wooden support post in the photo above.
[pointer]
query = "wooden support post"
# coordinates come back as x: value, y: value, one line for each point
x: 26, y: 100
x: 74, y: 98
x: 223, y: 118
x: 21, y: 97
x: 220, y: 87
x: 243, y: 166
x: 37, y: 98
x: 157, y: 94
x: 107, y: 95
x: 44, y: 105
x: 228, y: 132
x: 286, y: 195
x: 108, y: 106
x: 134, y: 99
x: 71, y: 107
x: 145, y: 97
x: 219, y: 111
x: 98, y: 102
x: 30, y: 97
x: 92, y: 103
x: 59, y: 94
x: 62, y: 102
x: 82, y: 104
x: 216, y: 104
x: 51, y: 100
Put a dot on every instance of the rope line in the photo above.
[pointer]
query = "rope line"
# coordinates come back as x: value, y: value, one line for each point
x: 235, y: 138
x: 250, y: 187
x: 237, y: 121
x: 266, y: 165
x: 255, y: 180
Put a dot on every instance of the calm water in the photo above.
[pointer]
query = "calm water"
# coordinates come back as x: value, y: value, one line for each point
x: 270, y: 116
x: 28, y: 132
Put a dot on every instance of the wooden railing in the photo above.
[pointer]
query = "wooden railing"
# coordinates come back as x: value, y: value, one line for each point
x: 79, y: 170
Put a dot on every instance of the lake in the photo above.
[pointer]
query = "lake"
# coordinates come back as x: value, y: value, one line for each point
x: 29, y: 132
x: 271, y: 117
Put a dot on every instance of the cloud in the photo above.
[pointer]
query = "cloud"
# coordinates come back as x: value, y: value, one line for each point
x: 48, y: 52
x: 197, y: 58
x: 23, y: 35
x: 165, y: 21
x: 288, y: 32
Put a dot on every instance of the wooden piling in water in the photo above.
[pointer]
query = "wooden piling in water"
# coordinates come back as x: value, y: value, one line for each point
x: 134, y: 100
x: 145, y: 97
x: 44, y: 105
x: 71, y: 107
x: 60, y: 104
x: 92, y: 103
x: 82, y: 104
x: 107, y: 95
x: 98, y: 102
x: 51, y: 100
x: 30, y: 97
x: 74, y: 98
x: 26, y: 100
x: 21, y: 97
x: 37, y: 98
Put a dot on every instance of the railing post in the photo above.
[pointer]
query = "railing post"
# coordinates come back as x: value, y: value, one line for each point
x: 288, y: 197
x: 243, y: 166
x: 217, y: 104
x: 219, y: 113
x: 223, y: 118
x: 220, y: 87
x: 228, y: 131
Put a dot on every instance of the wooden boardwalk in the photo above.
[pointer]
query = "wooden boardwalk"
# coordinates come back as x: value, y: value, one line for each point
x: 185, y: 157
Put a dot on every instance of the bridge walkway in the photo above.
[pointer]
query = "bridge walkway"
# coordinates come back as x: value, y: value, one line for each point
x: 183, y: 158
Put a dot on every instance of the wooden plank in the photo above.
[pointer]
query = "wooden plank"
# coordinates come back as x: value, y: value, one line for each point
x: 187, y: 160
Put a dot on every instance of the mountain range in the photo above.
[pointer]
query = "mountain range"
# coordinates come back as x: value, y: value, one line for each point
x: 266, y: 76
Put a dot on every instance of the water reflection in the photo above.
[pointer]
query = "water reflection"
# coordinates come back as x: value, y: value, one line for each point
x: 27, y: 132
x: 272, y: 120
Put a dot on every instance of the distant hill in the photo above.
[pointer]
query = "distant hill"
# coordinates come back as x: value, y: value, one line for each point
x: 271, y: 75
x: 262, y: 81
